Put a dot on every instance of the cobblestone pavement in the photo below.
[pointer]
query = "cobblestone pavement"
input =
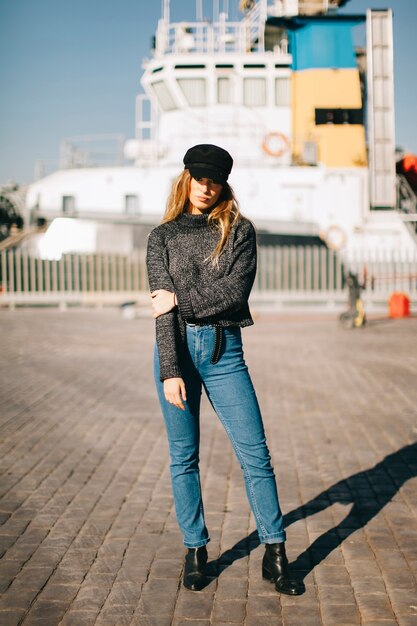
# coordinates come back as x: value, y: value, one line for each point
x: 88, y: 533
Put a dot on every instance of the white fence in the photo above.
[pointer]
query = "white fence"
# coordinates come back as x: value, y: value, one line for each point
x: 96, y: 279
x: 286, y: 275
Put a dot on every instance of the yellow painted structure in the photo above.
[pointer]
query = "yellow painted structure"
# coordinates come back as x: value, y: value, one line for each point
x: 339, y: 145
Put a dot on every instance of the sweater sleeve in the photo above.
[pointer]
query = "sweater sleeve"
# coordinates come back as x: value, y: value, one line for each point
x: 166, y: 324
x: 228, y: 293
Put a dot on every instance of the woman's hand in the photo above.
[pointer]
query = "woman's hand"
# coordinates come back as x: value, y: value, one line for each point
x: 162, y: 302
x: 174, y: 391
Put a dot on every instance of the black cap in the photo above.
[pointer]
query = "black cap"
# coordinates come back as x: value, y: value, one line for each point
x: 208, y: 161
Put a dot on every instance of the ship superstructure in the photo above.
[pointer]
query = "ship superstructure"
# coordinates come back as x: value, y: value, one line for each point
x: 308, y: 119
x: 277, y: 88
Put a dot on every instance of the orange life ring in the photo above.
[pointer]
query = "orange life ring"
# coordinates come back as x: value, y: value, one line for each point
x: 272, y: 137
x: 335, y: 237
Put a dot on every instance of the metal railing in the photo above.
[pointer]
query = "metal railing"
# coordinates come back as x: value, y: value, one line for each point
x: 217, y: 36
x: 285, y: 273
x: 74, y: 279
x: 104, y: 150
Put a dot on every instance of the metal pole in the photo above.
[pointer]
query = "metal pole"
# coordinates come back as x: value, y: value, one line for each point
x: 165, y: 11
x: 215, y: 11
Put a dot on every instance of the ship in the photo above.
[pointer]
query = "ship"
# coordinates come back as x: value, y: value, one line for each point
x: 307, y: 115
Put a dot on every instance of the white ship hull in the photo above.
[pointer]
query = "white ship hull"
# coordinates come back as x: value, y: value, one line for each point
x: 327, y: 203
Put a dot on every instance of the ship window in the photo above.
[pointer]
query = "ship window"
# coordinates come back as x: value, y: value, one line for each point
x: 131, y: 204
x: 165, y: 100
x: 224, y: 90
x: 190, y: 67
x: 339, y: 116
x: 282, y: 91
x: 68, y: 205
x: 194, y: 90
x: 254, y: 92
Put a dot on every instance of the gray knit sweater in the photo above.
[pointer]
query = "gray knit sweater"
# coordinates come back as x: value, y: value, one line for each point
x: 177, y: 261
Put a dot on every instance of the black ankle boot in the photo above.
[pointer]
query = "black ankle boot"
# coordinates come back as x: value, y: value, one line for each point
x: 194, y: 577
x: 275, y: 569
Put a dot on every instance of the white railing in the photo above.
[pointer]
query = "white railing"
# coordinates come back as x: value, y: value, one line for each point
x: 75, y: 279
x: 203, y: 38
x: 104, y: 150
x: 292, y: 274
x: 218, y: 36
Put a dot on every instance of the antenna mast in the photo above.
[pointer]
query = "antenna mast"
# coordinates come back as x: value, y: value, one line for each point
x: 199, y: 10
x: 215, y: 11
x: 165, y: 11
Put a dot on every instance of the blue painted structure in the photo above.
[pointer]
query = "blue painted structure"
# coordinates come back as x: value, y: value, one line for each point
x: 321, y: 42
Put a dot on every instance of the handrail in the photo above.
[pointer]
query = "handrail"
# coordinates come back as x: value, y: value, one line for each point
x: 16, y: 238
x: 405, y: 193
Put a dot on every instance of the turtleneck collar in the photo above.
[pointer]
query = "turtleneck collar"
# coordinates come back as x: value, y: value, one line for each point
x: 193, y: 221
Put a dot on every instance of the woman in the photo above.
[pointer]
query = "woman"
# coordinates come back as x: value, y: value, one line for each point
x: 201, y: 264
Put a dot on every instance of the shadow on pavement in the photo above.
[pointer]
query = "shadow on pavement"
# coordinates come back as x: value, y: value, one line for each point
x: 368, y: 492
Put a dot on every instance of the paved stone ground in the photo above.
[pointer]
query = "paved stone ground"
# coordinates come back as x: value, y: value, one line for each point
x: 88, y: 533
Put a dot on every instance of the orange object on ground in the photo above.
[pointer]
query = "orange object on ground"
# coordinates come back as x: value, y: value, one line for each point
x: 399, y: 305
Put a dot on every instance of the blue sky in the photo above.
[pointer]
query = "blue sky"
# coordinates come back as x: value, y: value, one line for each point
x: 73, y: 68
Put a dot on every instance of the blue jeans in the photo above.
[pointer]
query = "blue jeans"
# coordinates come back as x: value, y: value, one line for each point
x: 230, y: 391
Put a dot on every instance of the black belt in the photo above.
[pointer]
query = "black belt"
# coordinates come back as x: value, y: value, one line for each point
x: 218, y: 342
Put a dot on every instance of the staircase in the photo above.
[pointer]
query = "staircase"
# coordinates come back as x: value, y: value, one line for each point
x: 407, y: 204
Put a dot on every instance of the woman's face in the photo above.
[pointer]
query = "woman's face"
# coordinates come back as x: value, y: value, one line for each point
x: 204, y: 193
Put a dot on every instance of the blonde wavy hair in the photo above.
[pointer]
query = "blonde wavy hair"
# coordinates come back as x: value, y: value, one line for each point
x: 224, y: 215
